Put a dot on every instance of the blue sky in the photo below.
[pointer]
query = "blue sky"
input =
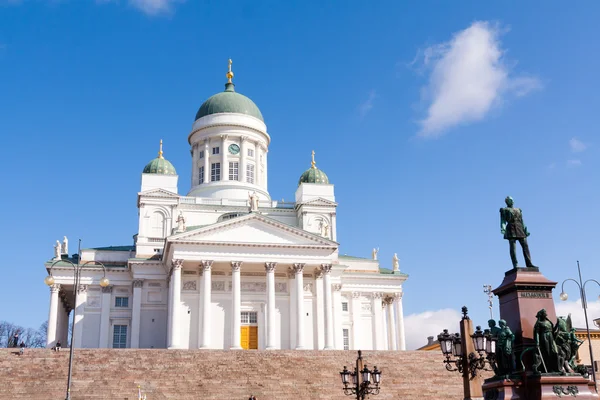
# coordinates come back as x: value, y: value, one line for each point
x: 425, y: 115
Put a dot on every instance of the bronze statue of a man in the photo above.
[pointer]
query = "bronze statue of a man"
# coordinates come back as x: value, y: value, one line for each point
x: 513, y: 228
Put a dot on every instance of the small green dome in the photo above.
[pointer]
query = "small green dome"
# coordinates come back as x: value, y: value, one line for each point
x: 229, y: 102
x: 313, y: 175
x: 160, y: 165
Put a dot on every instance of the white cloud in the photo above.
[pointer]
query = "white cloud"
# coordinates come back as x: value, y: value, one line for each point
x: 367, y: 105
x: 573, y: 163
x: 577, y: 146
x: 429, y: 323
x: 564, y: 308
x: 149, y: 7
x: 468, y: 78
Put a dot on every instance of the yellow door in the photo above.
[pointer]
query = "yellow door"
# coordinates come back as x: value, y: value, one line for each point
x: 245, y: 337
x: 253, y: 338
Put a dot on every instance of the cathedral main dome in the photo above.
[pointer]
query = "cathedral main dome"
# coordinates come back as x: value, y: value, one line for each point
x: 229, y: 102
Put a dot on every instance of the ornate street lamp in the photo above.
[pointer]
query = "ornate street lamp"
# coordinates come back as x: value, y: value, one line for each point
x: 49, y: 280
x: 466, y: 356
x: 564, y: 296
x: 364, y: 381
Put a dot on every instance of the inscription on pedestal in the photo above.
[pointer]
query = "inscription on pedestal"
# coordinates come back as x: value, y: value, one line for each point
x: 535, y: 295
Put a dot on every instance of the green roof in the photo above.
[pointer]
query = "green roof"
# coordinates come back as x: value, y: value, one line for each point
x: 313, y: 175
x: 385, y: 271
x: 229, y: 102
x: 113, y: 248
x: 160, y: 166
x: 356, y: 258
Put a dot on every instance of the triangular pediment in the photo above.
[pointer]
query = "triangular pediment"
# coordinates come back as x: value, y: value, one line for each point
x: 254, y: 230
x: 158, y: 193
x: 320, y: 202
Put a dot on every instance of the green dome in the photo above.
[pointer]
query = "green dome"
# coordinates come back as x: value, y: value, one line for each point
x: 160, y: 166
x: 313, y: 175
x: 229, y: 102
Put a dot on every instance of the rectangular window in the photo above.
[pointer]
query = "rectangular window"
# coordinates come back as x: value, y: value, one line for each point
x: 250, y: 152
x: 249, y: 317
x: 120, y: 337
x: 346, y: 334
x: 201, y: 174
x: 345, y: 306
x: 215, y: 172
x: 215, y: 150
x: 201, y: 154
x: 233, y: 171
x: 250, y: 173
x: 122, y: 302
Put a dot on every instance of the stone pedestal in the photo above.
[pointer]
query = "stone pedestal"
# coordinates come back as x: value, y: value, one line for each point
x: 544, y: 387
x: 524, y: 292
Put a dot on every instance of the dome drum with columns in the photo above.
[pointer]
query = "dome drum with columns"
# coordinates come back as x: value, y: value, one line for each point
x: 225, y: 266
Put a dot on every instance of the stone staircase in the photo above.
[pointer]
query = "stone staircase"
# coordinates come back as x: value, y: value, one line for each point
x: 217, y: 374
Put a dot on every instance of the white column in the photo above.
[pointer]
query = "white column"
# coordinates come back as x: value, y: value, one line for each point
x: 377, y: 322
x: 270, y: 269
x: 79, y: 313
x: 136, y: 313
x: 327, y: 302
x: 175, y: 296
x: 355, y: 311
x: 207, y: 155
x: 319, y: 310
x: 243, y: 155
x: 333, y: 227
x: 52, y: 316
x: 169, y: 309
x: 199, y: 323
x: 195, y: 165
x: 384, y: 329
x: 236, y: 305
x: 298, y: 270
x: 105, y: 316
x: 224, y: 162
x: 391, y: 324
x: 338, y: 334
x: 206, y: 303
x: 266, y: 173
x: 399, y: 321
x: 292, y: 314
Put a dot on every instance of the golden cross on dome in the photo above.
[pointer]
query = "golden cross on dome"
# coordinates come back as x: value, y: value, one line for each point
x: 229, y: 74
x: 313, y: 164
x: 160, y: 152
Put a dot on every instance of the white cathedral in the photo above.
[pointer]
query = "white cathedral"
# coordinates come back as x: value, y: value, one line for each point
x: 225, y: 266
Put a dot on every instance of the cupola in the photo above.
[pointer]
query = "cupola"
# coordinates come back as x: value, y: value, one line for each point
x: 160, y: 165
x: 313, y: 174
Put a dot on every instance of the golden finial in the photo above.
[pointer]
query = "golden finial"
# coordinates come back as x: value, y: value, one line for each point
x: 313, y: 164
x: 160, y: 152
x: 229, y: 74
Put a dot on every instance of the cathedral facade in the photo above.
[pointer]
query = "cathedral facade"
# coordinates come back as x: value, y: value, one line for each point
x: 225, y: 266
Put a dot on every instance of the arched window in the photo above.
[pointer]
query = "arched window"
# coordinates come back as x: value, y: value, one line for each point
x: 158, y: 228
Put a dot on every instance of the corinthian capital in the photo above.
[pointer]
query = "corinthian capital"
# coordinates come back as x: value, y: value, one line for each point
x: 297, y: 268
x: 270, y: 266
x: 206, y: 265
x: 326, y: 268
x: 177, y: 263
x: 55, y: 288
x: 235, y: 266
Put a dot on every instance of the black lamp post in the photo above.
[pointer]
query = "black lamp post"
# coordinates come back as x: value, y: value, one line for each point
x: 466, y: 356
x: 564, y: 296
x: 364, y: 381
x: 49, y: 280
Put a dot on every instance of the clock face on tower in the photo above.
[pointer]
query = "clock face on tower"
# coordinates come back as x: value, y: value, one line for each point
x: 234, y: 148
